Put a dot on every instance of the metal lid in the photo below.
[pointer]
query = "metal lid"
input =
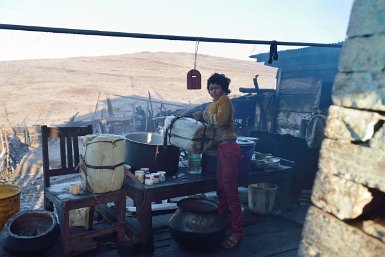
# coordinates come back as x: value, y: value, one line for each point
x: 245, y: 142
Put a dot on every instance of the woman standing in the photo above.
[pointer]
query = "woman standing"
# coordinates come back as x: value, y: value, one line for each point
x: 220, y: 114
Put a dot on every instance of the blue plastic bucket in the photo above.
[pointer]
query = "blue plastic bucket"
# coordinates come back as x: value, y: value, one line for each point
x: 247, y: 150
x: 209, y: 159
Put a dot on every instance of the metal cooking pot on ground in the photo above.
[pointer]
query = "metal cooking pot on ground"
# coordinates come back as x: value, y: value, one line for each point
x: 197, y: 225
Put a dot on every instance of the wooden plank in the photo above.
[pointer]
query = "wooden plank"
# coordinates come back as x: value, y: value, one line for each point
x: 297, y: 103
x: 274, y: 243
x: 351, y: 124
x: 343, y: 198
x: 334, y: 236
x: 307, y: 250
x: 375, y: 228
x: 290, y: 119
x: 357, y: 163
x: 326, y: 74
x: 300, y: 86
x: 2, y: 160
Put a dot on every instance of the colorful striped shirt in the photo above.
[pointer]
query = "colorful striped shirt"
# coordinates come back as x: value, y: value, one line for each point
x: 219, y: 114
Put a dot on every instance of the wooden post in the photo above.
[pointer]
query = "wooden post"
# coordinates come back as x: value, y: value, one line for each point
x: 133, y: 117
x: 1, y: 140
x: 7, y: 164
x: 96, y: 106
x: 3, y: 153
x: 146, y: 118
x: 151, y: 110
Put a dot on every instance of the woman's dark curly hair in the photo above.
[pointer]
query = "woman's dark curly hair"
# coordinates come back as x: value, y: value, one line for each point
x: 221, y: 80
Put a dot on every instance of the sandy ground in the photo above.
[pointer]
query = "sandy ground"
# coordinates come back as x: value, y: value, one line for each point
x: 29, y: 176
x: 51, y: 91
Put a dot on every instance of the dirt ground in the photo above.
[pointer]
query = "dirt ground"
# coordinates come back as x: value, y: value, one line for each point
x: 51, y: 91
x: 29, y: 176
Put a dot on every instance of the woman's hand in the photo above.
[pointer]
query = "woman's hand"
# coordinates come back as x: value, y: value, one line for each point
x: 198, y: 115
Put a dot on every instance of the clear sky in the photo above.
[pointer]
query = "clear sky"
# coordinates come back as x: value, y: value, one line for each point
x: 316, y: 21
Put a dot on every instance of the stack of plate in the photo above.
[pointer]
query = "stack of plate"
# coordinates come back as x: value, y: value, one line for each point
x: 264, y: 161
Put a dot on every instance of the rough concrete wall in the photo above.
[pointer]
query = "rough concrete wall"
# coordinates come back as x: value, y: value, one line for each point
x: 348, y: 213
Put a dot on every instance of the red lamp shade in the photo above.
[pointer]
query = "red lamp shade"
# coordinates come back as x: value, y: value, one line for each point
x: 193, y: 79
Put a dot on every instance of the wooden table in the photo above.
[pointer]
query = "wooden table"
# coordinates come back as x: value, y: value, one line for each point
x: 187, y: 184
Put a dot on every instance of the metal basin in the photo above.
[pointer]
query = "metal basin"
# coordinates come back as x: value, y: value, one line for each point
x: 146, y: 150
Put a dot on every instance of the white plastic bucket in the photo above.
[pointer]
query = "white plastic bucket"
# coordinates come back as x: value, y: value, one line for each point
x: 261, y: 197
x: 103, y: 169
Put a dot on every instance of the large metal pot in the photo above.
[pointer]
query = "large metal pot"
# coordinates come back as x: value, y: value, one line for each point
x: 197, y: 225
x: 146, y: 150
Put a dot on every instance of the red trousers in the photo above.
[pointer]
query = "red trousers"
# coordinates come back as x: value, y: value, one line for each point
x: 228, y: 160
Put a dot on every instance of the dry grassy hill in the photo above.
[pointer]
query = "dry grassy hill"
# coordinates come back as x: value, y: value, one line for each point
x: 51, y: 91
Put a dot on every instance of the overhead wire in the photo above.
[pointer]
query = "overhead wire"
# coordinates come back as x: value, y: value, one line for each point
x: 157, y: 36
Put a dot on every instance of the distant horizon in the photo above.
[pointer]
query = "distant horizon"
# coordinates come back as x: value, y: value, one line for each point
x: 121, y: 54
x: 51, y: 91
x: 253, y: 59
x: 289, y: 21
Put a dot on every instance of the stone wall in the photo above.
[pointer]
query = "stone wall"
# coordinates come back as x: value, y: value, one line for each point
x: 347, y: 216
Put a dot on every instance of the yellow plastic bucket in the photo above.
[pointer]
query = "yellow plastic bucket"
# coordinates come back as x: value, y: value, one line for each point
x: 9, y: 202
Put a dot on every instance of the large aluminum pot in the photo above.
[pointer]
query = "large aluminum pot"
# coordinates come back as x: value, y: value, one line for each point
x: 146, y: 150
x: 197, y: 225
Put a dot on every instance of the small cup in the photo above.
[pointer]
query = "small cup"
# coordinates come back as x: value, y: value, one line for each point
x: 149, y: 179
x: 75, y: 189
x: 156, y: 178
x: 162, y: 176
x: 139, y: 174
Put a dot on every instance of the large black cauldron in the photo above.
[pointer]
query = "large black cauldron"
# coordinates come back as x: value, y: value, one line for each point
x: 197, y: 225
x: 30, y: 232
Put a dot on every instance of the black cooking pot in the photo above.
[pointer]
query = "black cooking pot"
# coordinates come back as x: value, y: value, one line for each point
x: 146, y: 150
x: 30, y: 232
x: 197, y: 225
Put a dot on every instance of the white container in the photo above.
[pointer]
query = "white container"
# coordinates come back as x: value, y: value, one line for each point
x: 188, y: 134
x: 162, y: 176
x: 139, y: 174
x: 156, y: 178
x: 149, y: 179
x: 103, y: 169
x: 79, y: 217
x: 261, y: 197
